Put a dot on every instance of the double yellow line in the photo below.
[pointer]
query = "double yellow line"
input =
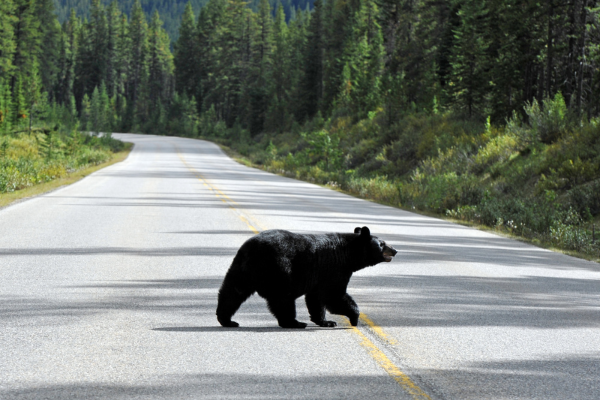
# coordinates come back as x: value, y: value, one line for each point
x: 379, y: 356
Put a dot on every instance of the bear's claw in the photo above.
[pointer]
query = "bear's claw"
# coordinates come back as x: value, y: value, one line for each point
x: 293, y: 325
x: 328, y: 324
x: 229, y: 324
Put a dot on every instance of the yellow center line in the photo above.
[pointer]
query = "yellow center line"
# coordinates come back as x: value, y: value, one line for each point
x: 220, y: 195
x: 377, y: 330
x: 382, y: 360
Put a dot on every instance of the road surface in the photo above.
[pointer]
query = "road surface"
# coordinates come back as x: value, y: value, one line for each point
x: 108, y: 291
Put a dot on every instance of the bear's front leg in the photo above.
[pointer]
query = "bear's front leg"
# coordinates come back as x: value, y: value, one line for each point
x: 344, y: 305
x: 284, y: 309
x: 316, y: 309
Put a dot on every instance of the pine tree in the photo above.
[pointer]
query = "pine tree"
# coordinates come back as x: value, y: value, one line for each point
x: 27, y: 39
x: 138, y: 42
x: 19, y: 103
x: 7, y: 40
x: 6, y: 107
x: 160, y: 64
x: 33, y: 93
x: 105, y: 109
x: 96, y: 114
x: 50, y: 40
x: 69, y: 45
x: 282, y: 80
x: 81, y: 76
x: 186, y: 54
x: 364, y: 59
x: 225, y: 40
x: 261, y: 69
x: 98, y: 50
x: 264, y: 42
x: 469, y: 60
x: 515, y: 55
x: 123, y: 71
x: 112, y: 73
x: 85, y: 115
x: 312, y: 83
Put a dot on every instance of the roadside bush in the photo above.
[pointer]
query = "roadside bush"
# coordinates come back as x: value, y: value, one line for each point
x: 464, y: 213
x: 550, y: 119
x: 512, y: 178
x: 497, y: 150
x: 586, y: 198
x: 378, y: 188
x: 569, y: 174
x: 26, y: 160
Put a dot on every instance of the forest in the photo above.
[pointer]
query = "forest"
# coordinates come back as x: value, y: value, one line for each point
x: 481, y: 110
x: 170, y: 11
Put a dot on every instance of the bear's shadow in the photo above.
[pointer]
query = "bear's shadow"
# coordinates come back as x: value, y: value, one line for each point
x: 265, y: 329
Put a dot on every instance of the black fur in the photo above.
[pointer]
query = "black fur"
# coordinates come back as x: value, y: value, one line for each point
x: 282, y: 266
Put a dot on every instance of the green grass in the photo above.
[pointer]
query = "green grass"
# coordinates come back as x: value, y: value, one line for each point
x: 40, y: 162
x: 535, y: 182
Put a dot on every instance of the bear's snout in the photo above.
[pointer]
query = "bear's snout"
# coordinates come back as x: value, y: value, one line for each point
x: 389, y: 253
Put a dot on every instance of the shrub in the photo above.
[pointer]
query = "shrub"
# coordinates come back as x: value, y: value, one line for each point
x: 586, y: 198
x: 497, y: 150
x: 378, y: 188
x: 549, y: 120
x: 41, y: 157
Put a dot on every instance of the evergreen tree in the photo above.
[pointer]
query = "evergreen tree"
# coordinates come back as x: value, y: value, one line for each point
x: 6, y: 107
x: 85, y: 115
x: 123, y: 71
x: 160, y: 63
x: 50, y: 41
x: 261, y: 69
x: 282, y: 80
x: 112, y: 76
x: 19, y: 104
x: 364, y: 55
x: 469, y: 60
x: 27, y: 39
x: 7, y: 40
x: 186, y: 54
x: 312, y: 83
x: 138, y: 50
x: 264, y: 42
x: 98, y: 44
x: 96, y: 112
x: 69, y: 45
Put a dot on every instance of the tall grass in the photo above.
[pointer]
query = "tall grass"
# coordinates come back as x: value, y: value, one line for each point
x: 29, y: 159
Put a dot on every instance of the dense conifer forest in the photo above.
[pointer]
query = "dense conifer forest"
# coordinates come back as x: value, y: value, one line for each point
x: 486, y: 110
x: 170, y: 11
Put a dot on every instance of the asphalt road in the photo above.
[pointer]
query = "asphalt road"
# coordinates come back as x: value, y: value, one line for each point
x: 108, y: 291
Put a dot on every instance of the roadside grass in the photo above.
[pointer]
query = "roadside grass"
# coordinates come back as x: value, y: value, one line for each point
x: 7, y: 199
x: 524, y: 180
x: 366, y: 195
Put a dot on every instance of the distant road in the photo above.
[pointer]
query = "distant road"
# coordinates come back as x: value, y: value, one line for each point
x: 108, y: 291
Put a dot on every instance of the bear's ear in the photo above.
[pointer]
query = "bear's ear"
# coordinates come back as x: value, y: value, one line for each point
x: 365, y: 232
x: 357, y: 230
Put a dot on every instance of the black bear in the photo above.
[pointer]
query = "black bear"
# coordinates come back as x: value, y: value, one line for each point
x: 282, y: 266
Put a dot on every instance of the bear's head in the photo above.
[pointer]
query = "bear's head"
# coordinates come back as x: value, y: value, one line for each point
x: 377, y: 250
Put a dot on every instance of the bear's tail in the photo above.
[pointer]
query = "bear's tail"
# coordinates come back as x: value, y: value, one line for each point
x: 236, y: 289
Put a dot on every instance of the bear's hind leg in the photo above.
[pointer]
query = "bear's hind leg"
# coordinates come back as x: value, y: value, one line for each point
x: 284, y: 309
x: 344, y: 305
x: 231, y: 297
x: 316, y: 309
